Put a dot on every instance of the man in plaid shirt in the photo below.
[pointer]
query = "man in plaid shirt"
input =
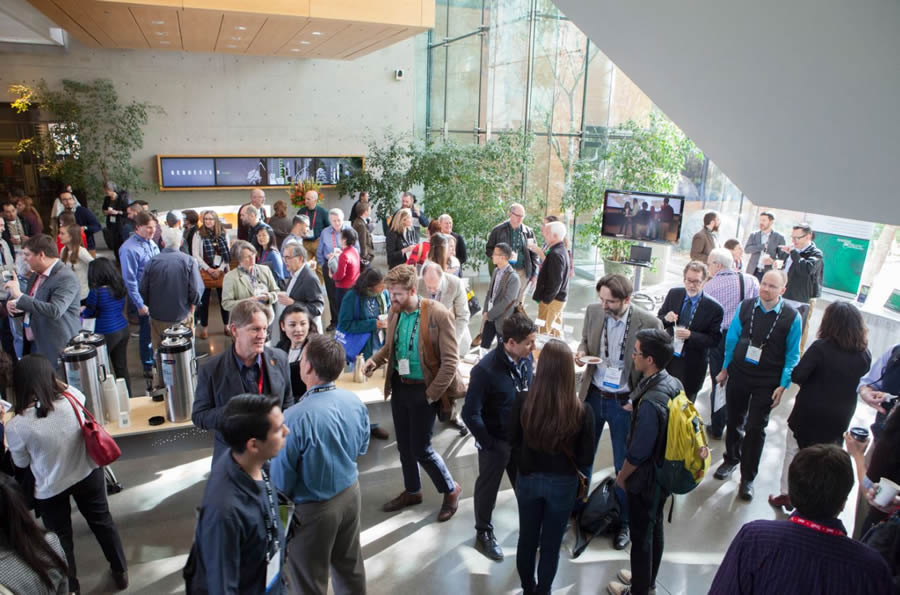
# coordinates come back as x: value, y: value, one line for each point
x: 728, y: 287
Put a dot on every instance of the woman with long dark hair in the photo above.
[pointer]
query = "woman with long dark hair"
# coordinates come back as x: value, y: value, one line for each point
x: 31, y: 560
x: 269, y: 254
x: 296, y: 326
x: 75, y: 257
x: 209, y: 247
x: 45, y: 434
x: 553, y: 435
x: 105, y: 301
x: 828, y: 375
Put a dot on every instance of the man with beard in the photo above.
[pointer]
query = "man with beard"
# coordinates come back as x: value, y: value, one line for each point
x: 707, y: 239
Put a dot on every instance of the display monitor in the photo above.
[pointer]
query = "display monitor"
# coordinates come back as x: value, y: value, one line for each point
x: 183, y: 172
x: 187, y: 172
x: 240, y: 171
x: 642, y: 216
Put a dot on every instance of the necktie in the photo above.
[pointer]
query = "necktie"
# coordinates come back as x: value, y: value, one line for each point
x: 685, y: 317
x: 37, y: 283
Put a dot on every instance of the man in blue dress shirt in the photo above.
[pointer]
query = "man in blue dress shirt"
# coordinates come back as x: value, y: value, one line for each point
x: 329, y: 430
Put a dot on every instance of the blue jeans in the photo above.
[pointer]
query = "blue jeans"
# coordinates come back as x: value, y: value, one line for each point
x: 545, y: 503
x: 609, y: 411
x: 144, y: 344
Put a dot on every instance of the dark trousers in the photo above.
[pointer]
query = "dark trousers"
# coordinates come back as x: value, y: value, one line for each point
x: 339, y: 294
x: 90, y: 497
x: 488, y: 332
x: 145, y: 345
x: 609, y: 411
x: 414, y: 423
x: 117, y: 346
x: 491, y: 464
x: 6, y: 336
x: 717, y: 419
x: 203, y: 308
x: 545, y: 503
x: 646, y: 541
x: 325, y: 535
x: 331, y: 291
x: 749, y: 405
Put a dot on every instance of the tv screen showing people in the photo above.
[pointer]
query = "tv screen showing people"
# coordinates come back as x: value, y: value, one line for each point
x: 189, y: 172
x: 642, y: 216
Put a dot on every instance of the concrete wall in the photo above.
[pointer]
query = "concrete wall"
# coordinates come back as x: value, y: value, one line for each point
x: 227, y: 104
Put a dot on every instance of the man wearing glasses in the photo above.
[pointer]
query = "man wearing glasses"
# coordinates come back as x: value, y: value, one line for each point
x: 514, y: 232
x: 804, y: 265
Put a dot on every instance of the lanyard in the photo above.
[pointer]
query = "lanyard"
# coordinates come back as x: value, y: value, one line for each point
x: 333, y: 239
x: 816, y: 526
x: 264, y: 256
x: 412, y: 335
x: 772, y: 328
x: 318, y: 389
x: 251, y: 275
x: 271, y: 515
x: 516, y: 375
x: 604, y: 338
x: 313, y: 224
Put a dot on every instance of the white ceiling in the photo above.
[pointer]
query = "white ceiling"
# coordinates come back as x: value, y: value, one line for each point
x: 22, y: 23
x: 797, y: 101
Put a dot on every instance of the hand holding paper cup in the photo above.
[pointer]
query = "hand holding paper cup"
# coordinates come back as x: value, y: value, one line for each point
x: 885, y: 492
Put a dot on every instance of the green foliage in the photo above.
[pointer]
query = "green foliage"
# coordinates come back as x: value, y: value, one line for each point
x: 635, y: 158
x: 474, y: 184
x: 92, y: 135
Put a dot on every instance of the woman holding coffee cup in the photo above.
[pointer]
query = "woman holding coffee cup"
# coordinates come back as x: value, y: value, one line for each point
x: 828, y: 374
x: 881, y: 477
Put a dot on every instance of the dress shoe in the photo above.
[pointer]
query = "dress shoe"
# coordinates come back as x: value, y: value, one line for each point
x: 781, y: 500
x: 745, y: 491
x: 120, y: 579
x: 379, y: 433
x: 451, y: 503
x: 204, y: 333
x: 402, y: 501
x: 724, y: 471
x: 623, y: 538
x: 486, y: 543
x: 624, y: 577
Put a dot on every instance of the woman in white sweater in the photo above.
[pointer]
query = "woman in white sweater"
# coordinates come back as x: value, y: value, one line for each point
x: 45, y: 434
x: 75, y: 256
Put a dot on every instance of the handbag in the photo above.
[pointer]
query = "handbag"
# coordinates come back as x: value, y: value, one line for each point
x: 209, y: 282
x: 353, y: 343
x: 101, y: 447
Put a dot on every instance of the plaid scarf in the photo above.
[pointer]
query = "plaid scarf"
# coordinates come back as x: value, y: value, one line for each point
x: 212, y: 247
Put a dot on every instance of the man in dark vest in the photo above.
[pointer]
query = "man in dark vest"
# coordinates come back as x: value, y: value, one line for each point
x: 761, y: 349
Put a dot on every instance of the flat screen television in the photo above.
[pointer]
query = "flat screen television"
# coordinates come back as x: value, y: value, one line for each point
x: 642, y: 216
x: 185, y: 172
x: 188, y: 172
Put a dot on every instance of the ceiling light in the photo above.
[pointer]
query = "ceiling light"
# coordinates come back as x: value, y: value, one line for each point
x: 161, y: 33
x: 235, y: 38
x: 305, y: 42
x: 164, y: 42
x: 240, y: 28
x: 157, y: 22
x: 231, y: 46
x: 295, y: 49
x: 316, y: 32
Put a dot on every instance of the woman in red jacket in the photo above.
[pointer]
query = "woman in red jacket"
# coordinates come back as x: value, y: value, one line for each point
x: 347, y: 265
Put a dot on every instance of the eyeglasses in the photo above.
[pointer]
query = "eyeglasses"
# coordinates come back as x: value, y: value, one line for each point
x: 519, y: 215
x: 693, y: 281
x: 793, y: 237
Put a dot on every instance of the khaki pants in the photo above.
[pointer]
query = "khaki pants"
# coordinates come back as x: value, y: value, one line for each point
x: 551, y: 314
x: 523, y: 278
x: 158, y: 326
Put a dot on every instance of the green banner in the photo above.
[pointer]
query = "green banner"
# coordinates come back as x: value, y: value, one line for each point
x: 844, y: 261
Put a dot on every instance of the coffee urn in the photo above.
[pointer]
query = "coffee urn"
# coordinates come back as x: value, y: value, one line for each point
x: 176, y: 356
x: 83, y: 372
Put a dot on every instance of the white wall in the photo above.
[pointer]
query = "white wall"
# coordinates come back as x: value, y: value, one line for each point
x: 795, y: 101
x: 218, y: 104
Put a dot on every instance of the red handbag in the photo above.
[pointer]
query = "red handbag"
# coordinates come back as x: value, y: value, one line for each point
x: 101, y: 447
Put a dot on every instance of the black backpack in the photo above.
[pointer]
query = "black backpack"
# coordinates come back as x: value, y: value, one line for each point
x: 599, y: 515
x: 884, y: 538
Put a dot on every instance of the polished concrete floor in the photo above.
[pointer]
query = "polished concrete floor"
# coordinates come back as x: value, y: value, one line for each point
x: 409, y: 552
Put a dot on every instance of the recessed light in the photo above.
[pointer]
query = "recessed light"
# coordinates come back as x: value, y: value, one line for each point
x: 235, y: 38
x: 231, y: 46
x: 163, y: 42
x: 157, y: 22
x: 305, y: 42
x: 316, y: 32
x: 240, y: 28
x: 161, y: 33
x: 295, y: 49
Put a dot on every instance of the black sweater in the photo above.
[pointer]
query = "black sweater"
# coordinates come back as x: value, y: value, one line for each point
x: 531, y: 460
x: 553, y: 279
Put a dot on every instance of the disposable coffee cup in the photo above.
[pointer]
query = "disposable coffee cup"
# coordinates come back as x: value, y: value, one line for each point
x: 779, y: 264
x: 885, y: 492
x: 859, y: 434
x: 383, y: 317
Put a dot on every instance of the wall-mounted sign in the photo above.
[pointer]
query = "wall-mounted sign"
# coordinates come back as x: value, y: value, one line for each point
x: 192, y: 172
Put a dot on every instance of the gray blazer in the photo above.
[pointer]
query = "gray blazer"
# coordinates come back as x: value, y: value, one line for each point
x: 507, y: 297
x: 755, y: 248
x: 453, y: 297
x: 594, y: 319
x: 54, y: 311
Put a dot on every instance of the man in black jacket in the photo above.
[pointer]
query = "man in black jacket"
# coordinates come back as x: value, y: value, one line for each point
x: 646, y: 446
x: 804, y: 265
x: 493, y: 385
x: 694, y: 320
x: 447, y: 229
x: 249, y: 367
x: 83, y: 217
x: 303, y: 287
x: 517, y: 235
x: 552, y: 287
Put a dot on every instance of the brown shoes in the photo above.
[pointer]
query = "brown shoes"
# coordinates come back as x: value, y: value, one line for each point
x: 780, y: 500
x: 402, y: 501
x: 203, y: 334
x: 380, y: 433
x: 451, y: 503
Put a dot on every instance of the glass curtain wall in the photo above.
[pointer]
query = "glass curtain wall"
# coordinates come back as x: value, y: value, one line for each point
x: 498, y: 66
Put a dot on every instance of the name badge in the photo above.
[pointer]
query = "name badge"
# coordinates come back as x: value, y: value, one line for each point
x: 611, y: 378
x: 112, y: 218
x: 403, y: 367
x: 273, y: 571
x: 753, y: 354
x: 217, y: 260
x: 514, y: 258
x: 678, y: 344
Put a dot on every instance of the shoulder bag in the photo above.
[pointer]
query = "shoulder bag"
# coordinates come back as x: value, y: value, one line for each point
x: 353, y: 343
x: 101, y: 447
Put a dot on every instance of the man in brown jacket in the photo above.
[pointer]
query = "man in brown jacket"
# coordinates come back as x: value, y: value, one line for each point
x: 421, y: 354
x: 707, y: 239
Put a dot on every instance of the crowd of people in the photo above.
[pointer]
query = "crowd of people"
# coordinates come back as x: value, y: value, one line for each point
x: 303, y: 300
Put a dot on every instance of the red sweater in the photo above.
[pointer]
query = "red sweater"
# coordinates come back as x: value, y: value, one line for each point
x: 348, y: 268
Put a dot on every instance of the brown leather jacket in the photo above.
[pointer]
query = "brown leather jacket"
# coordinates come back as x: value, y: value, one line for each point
x: 439, y: 360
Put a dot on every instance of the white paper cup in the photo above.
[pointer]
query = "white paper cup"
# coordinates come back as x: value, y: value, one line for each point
x: 885, y: 492
x: 383, y: 317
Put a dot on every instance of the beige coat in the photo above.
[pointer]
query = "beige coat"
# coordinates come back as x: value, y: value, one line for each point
x: 237, y: 286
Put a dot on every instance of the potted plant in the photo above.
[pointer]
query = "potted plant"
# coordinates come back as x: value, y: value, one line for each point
x: 301, y: 187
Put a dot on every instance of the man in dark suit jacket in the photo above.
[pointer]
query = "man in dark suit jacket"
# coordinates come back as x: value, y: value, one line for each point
x: 250, y: 367
x: 502, y: 295
x: 695, y: 321
x: 804, y: 264
x: 303, y: 287
x: 83, y: 217
x: 762, y: 246
x: 52, y: 301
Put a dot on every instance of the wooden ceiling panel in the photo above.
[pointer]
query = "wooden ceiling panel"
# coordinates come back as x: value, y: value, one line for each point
x: 199, y: 29
x: 118, y: 22
x: 275, y: 34
x: 359, y: 37
x: 399, y: 35
x: 58, y: 16
x: 159, y: 26
x: 78, y: 12
x: 293, y: 8
x: 312, y: 36
x: 404, y: 12
x: 238, y: 32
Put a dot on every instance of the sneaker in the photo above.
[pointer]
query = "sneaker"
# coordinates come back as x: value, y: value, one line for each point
x: 617, y: 588
x: 724, y: 471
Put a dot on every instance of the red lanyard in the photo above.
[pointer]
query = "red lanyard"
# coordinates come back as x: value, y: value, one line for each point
x: 261, y: 372
x: 816, y: 526
x: 264, y: 256
x: 313, y: 224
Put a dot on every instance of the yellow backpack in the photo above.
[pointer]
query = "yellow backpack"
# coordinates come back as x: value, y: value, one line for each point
x: 687, y: 457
